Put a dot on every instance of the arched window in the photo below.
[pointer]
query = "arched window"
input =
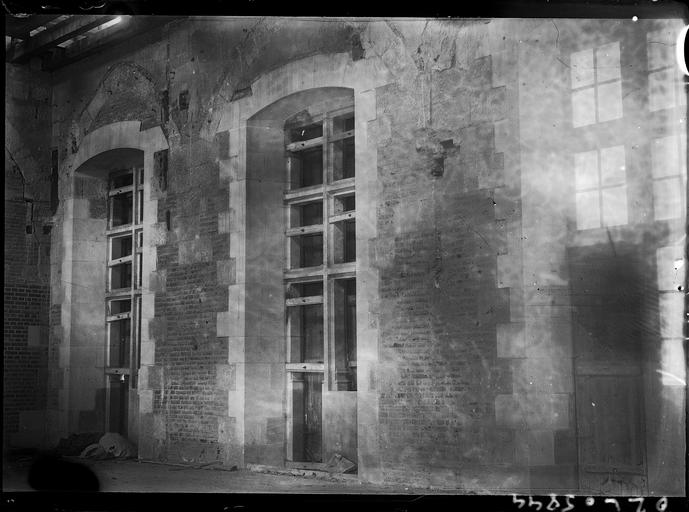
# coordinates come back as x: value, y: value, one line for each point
x: 300, y: 161
x: 112, y: 263
x: 321, y: 274
x: 123, y: 296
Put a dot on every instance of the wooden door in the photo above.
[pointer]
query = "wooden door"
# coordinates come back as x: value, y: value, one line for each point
x: 609, y: 422
x: 612, y: 297
x: 313, y: 412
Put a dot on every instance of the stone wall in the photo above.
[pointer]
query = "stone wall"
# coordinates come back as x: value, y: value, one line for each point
x: 443, y: 167
x: 175, y: 80
x: 470, y: 240
x: 27, y: 253
x: 593, y: 300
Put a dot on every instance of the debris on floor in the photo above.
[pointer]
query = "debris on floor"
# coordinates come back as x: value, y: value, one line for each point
x: 111, y: 445
x: 323, y: 473
x: 340, y: 464
x: 75, y: 443
x: 272, y: 470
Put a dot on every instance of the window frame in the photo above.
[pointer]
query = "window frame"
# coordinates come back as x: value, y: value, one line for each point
x: 600, y: 187
x: 675, y: 143
x: 665, y: 71
x: 132, y: 293
x: 596, y: 84
x: 328, y: 193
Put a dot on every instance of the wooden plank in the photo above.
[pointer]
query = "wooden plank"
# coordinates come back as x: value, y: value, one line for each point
x: 304, y: 144
x: 304, y: 230
x: 342, y: 216
x: 315, y: 278
x: 118, y: 316
x: 122, y: 293
x: 340, y: 269
x: 342, y: 186
x: 341, y: 136
x: 121, y: 190
x: 60, y: 33
x: 303, y: 195
x: 117, y: 371
x: 119, y: 261
x: 304, y: 301
x: 313, y: 466
x: 300, y: 273
x: 304, y: 367
x: 124, y: 228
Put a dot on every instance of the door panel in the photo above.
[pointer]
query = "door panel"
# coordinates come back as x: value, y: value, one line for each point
x: 313, y: 414
x: 613, y: 292
x: 307, y: 413
x: 118, y: 391
x: 611, y: 447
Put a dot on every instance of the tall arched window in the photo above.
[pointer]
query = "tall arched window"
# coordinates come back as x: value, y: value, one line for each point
x: 123, y: 295
x: 321, y: 274
x: 301, y: 283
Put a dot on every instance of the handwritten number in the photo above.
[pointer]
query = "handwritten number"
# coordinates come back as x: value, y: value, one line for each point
x: 532, y: 502
x: 640, y: 501
x: 553, y: 503
x: 662, y: 504
x: 520, y: 502
x: 569, y: 504
x: 614, y: 501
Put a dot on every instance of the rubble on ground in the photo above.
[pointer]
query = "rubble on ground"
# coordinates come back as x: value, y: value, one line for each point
x: 340, y: 464
x: 75, y: 443
x: 110, y: 445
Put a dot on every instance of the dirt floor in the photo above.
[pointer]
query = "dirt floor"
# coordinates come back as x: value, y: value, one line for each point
x: 133, y: 476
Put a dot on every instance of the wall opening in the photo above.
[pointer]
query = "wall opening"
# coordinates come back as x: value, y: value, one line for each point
x: 108, y: 244
x: 614, y: 328
x: 300, y: 162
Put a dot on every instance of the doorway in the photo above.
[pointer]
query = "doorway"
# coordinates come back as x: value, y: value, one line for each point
x: 307, y: 416
x: 611, y: 321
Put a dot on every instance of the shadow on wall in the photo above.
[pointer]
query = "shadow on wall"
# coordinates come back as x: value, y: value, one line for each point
x: 614, y: 301
x: 623, y: 406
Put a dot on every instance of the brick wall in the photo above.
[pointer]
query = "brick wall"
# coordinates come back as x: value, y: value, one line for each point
x: 440, y: 301
x: 188, y: 296
x: 471, y: 365
x: 197, y: 66
x: 26, y: 253
x: 25, y: 352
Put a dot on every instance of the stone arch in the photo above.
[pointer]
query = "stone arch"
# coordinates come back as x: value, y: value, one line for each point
x: 119, y: 135
x: 311, y: 74
x: 127, y: 92
x: 84, y: 245
x: 317, y: 71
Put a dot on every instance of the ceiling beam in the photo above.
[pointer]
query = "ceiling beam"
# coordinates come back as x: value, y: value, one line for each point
x: 20, y: 28
x: 55, y: 35
x: 107, y: 39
